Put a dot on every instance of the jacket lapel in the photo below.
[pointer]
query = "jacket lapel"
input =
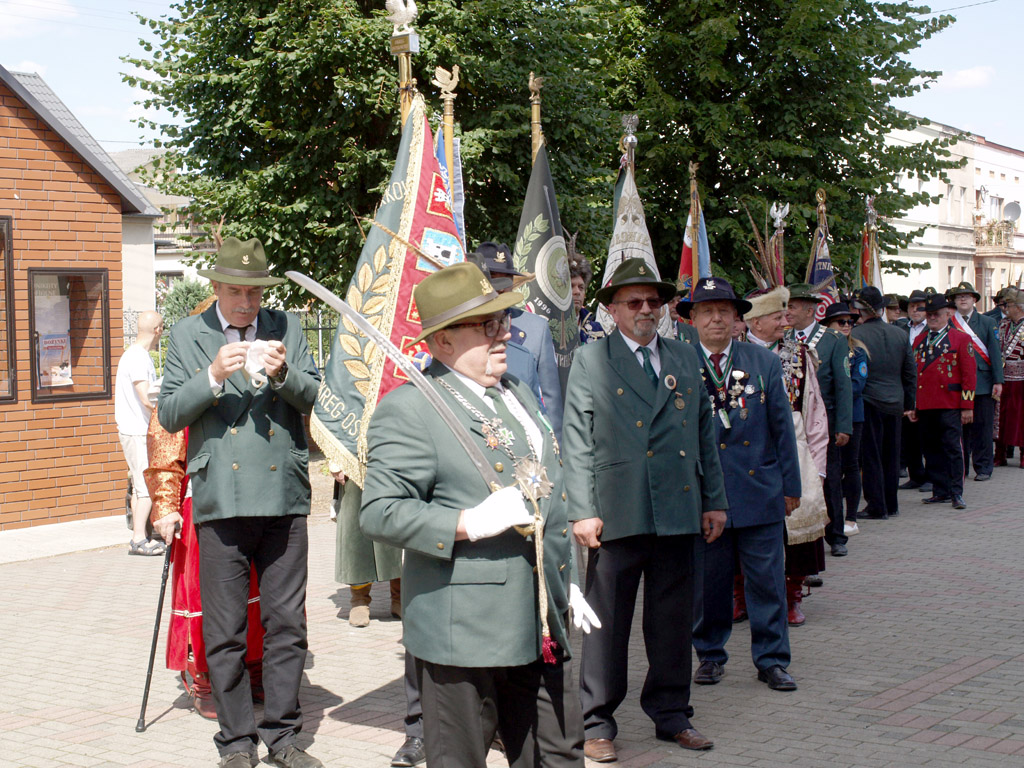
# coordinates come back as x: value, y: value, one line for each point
x: 670, y: 366
x: 625, y: 365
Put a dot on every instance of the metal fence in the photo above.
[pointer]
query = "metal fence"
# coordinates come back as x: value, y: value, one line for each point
x: 319, y: 326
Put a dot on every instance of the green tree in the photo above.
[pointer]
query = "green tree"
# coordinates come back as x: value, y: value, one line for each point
x: 181, y: 299
x: 284, y: 119
x: 774, y: 98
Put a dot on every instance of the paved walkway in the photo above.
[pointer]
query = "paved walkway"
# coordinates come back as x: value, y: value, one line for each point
x: 913, y: 654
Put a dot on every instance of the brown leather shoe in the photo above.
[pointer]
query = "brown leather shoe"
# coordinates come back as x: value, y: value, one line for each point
x: 691, y: 738
x: 600, y: 750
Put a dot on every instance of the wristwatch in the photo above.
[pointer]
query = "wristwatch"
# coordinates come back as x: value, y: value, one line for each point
x: 279, y: 377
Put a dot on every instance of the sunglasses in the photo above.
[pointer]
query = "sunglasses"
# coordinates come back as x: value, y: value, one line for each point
x: 492, y: 326
x: 843, y: 322
x: 635, y: 304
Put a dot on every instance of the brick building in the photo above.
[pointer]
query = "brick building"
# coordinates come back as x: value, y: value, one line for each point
x: 69, y: 221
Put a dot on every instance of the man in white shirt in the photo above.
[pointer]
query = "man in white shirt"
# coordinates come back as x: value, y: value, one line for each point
x: 135, y: 375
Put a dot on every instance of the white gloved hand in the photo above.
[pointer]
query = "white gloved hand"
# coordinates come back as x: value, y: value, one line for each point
x: 583, y: 616
x: 496, y: 514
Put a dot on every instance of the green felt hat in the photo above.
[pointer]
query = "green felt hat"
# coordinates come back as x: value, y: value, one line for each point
x: 241, y: 263
x: 964, y: 287
x: 635, y: 272
x: 804, y: 291
x: 455, y: 293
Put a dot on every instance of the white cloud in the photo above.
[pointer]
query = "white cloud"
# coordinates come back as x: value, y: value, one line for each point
x: 961, y: 79
x: 26, y: 65
x: 24, y: 18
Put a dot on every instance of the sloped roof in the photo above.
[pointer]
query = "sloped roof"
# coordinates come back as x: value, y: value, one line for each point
x: 33, y: 91
x: 130, y: 160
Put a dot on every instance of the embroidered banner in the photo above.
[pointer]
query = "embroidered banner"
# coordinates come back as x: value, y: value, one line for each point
x: 417, y: 208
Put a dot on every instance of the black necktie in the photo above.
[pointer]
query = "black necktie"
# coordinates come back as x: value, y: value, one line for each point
x: 241, y: 330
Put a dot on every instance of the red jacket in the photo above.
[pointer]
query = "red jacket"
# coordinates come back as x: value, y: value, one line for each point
x: 946, y: 371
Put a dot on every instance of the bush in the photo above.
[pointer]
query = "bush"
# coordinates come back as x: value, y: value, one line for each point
x: 181, y: 299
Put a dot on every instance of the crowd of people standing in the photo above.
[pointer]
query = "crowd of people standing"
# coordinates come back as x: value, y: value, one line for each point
x: 720, y: 464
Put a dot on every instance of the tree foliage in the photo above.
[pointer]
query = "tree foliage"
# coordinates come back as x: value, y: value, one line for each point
x: 774, y: 99
x: 289, y: 121
x: 285, y: 121
x: 183, y: 296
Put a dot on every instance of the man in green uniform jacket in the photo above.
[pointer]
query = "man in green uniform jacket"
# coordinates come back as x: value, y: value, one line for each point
x: 487, y: 630
x: 644, y: 480
x: 241, y: 378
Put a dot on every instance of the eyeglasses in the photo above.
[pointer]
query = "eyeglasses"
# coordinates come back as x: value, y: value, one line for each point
x: 635, y: 304
x: 492, y: 326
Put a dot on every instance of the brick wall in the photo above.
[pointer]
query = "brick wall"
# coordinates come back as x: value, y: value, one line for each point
x: 60, y: 461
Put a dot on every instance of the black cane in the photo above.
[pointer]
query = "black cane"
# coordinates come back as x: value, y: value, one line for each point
x: 141, y: 725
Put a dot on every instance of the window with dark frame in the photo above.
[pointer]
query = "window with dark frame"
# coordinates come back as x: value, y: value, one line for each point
x: 69, y: 325
x: 8, y: 383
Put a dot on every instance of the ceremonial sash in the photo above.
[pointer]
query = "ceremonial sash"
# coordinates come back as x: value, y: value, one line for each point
x: 979, y: 348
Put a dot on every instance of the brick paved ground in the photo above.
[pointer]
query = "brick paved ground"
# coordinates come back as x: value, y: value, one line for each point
x: 913, y: 654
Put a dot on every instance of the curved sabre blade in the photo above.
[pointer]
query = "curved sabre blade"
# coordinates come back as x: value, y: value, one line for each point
x: 409, y: 368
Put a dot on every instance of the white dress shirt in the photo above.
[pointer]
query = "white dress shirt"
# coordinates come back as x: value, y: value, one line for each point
x: 652, y: 347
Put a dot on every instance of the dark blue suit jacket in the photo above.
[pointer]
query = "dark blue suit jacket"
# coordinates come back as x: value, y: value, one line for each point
x: 758, y: 454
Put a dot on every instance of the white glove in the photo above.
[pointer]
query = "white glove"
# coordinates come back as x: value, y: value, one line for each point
x: 583, y: 616
x: 496, y: 514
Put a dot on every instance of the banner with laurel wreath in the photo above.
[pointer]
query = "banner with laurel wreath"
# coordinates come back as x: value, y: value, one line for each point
x: 540, y: 249
x: 416, y: 209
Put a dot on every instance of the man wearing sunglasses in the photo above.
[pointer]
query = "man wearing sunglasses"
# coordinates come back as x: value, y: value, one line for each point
x: 643, y: 480
x: 470, y: 588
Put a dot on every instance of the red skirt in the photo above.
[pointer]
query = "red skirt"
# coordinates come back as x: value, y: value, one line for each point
x: 1010, y: 414
x: 186, y: 626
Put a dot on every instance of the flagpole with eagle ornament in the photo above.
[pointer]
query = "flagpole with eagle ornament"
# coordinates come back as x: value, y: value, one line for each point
x: 404, y: 43
x: 447, y: 82
x: 536, y: 132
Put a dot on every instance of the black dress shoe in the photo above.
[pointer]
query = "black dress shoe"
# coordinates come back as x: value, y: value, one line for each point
x: 981, y: 477
x: 959, y: 503
x: 409, y: 754
x: 869, y: 514
x: 839, y: 550
x: 708, y: 673
x: 936, y: 499
x: 910, y: 485
x: 777, y: 678
x: 293, y: 757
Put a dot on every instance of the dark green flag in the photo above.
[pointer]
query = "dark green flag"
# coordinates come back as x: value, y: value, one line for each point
x: 540, y: 249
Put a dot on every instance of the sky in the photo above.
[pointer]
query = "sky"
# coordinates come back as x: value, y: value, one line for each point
x: 76, y: 45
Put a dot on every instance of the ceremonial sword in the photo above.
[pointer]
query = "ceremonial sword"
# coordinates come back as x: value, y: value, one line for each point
x: 409, y: 368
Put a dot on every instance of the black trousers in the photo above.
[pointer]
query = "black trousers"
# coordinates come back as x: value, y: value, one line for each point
x: 833, y: 486
x: 850, y: 454
x: 943, y: 450
x: 912, y: 452
x: 613, y: 578
x: 978, y: 437
x: 881, y: 460
x: 534, y: 706
x: 278, y: 546
x: 413, y: 703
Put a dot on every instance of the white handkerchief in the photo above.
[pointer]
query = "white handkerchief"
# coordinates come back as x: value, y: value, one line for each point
x: 254, y: 366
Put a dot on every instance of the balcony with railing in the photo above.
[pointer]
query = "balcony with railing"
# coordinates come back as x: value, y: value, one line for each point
x: 995, y: 238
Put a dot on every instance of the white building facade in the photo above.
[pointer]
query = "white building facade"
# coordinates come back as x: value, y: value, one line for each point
x: 974, y: 232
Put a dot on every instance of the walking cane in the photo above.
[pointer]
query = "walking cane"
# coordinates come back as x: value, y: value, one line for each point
x: 141, y: 725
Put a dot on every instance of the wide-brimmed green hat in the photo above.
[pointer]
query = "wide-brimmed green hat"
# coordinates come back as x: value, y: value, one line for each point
x: 635, y: 272
x: 241, y: 263
x: 455, y: 293
x: 964, y: 287
x: 804, y: 291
